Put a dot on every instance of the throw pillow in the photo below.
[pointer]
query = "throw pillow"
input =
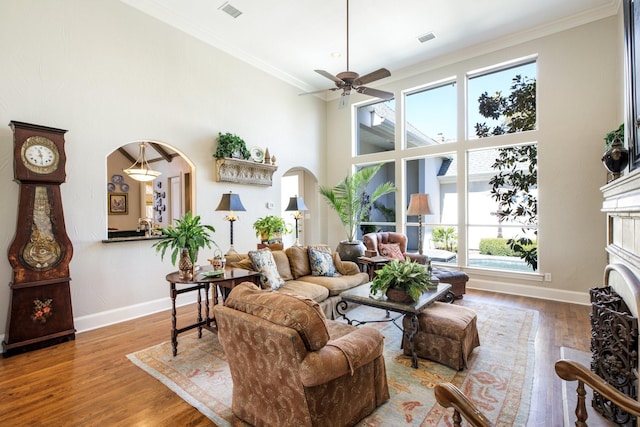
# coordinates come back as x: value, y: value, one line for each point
x: 264, y: 263
x: 390, y: 250
x: 322, y: 263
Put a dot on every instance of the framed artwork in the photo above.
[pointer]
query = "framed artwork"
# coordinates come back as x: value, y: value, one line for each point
x: 632, y: 73
x: 118, y: 204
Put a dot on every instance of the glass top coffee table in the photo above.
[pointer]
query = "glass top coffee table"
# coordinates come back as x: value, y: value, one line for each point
x: 362, y: 295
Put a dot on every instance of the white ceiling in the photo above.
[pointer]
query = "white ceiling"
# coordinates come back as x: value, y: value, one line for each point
x: 291, y: 38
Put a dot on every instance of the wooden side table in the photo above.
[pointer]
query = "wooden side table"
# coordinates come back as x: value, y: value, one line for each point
x: 232, y: 276
x: 372, y: 264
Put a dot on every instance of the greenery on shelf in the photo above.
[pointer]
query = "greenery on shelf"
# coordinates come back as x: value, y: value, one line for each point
x: 186, y: 233
x: 230, y: 145
x: 613, y: 135
x: 270, y: 226
x: 408, y: 276
x: 348, y: 199
x: 517, y: 166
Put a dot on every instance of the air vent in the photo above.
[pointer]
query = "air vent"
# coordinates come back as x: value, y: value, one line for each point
x: 426, y: 37
x: 232, y: 11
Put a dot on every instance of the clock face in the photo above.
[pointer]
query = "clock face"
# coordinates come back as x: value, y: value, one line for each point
x: 40, y: 155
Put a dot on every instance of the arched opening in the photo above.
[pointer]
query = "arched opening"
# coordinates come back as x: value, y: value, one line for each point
x: 134, y: 208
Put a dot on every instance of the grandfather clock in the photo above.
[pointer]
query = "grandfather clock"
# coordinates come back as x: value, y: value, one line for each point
x: 40, y: 311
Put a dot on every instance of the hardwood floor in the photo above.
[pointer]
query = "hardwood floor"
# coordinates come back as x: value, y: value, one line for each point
x: 90, y: 382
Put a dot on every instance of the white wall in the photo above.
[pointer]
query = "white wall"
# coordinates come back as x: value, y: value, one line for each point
x: 580, y: 99
x: 111, y: 75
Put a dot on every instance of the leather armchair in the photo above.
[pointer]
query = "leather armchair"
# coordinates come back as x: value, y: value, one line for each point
x: 291, y: 366
x: 457, y: 279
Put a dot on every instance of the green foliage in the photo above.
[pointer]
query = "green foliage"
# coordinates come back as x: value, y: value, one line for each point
x: 445, y: 238
x: 228, y: 144
x: 409, y: 276
x: 613, y: 135
x: 517, y: 166
x: 270, y: 225
x: 347, y: 199
x: 505, y: 247
x: 186, y: 233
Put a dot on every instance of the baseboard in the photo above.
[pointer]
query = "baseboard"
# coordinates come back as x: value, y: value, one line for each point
x: 561, y: 295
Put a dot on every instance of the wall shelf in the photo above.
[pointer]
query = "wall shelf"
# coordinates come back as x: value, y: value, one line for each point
x: 244, y: 172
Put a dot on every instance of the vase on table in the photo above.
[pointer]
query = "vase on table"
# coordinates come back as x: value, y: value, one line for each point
x: 185, y: 266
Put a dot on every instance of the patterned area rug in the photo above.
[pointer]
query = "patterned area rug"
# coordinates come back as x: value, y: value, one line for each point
x: 498, y: 379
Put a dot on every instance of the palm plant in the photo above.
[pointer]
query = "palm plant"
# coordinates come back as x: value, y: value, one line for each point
x: 346, y: 198
x: 186, y: 233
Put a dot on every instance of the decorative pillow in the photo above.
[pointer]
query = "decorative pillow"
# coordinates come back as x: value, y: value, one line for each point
x: 322, y: 263
x: 264, y: 263
x: 390, y: 250
x: 298, y: 261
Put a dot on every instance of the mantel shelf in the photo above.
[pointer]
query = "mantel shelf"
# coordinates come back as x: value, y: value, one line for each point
x: 244, y: 171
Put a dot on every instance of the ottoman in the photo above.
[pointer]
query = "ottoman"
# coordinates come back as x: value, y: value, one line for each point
x: 447, y: 334
x: 457, y: 279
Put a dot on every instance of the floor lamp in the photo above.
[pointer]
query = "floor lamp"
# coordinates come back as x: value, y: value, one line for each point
x: 231, y: 202
x: 296, y: 204
x: 419, y: 205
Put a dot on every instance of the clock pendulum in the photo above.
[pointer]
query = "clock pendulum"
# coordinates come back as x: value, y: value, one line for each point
x: 40, y: 308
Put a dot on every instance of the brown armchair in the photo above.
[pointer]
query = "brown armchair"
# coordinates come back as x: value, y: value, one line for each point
x: 457, y: 279
x: 292, y: 367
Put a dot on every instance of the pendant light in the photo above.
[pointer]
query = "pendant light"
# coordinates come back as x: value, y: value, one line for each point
x: 140, y: 170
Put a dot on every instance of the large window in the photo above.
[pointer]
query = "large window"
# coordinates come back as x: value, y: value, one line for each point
x: 430, y: 117
x: 493, y: 224
x: 382, y: 215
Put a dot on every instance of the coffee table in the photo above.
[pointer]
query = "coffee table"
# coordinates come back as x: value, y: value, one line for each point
x: 362, y: 295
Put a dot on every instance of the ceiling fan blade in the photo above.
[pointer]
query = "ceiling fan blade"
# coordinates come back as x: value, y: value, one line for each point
x: 375, y: 92
x: 372, y: 77
x: 329, y: 76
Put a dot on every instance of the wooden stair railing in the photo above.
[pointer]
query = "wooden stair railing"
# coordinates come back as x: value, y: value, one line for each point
x: 569, y: 370
x: 450, y: 396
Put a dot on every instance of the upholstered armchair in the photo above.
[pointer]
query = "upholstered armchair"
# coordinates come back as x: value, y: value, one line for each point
x: 457, y: 279
x: 292, y: 367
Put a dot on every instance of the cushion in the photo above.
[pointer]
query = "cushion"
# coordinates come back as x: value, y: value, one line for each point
x: 298, y: 261
x: 391, y: 250
x: 321, y: 263
x: 282, y: 262
x: 244, y: 263
x: 299, y: 313
x: 264, y: 263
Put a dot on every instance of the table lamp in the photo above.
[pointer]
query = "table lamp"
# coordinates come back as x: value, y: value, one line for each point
x: 419, y: 205
x: 296, y: 204
x: 231, y: 202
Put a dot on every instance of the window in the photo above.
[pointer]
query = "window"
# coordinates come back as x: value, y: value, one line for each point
x: 382, y: 215
x: 502, y: 101
x: 376, y: 127
x: 437, y: 177
x: 430, y: 116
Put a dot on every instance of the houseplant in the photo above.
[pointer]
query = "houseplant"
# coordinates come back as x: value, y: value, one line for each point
x: 230, y: 145
x: 348, y: 199
x: 402, y: 281
x: 186, y: 237
x: 270, y: 226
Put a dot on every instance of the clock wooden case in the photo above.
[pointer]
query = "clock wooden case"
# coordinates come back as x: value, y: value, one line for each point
x: 40, y: 308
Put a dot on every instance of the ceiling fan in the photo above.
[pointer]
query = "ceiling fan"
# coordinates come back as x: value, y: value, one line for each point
x: 350, y: 80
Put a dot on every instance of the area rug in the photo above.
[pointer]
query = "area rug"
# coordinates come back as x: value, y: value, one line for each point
x: 498, y: 380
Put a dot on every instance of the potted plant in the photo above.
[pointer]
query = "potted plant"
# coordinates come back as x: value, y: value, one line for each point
x: 402, y: 281
x: 616, y: 156
x: 270, y: 226
x: 348, y: 199
x: 230, y: 145
x: 186, y: 237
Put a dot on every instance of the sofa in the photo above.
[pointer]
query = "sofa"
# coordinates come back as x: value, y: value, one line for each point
x: 373, y: 241
x: 291, y: 366
x: 295, y: 268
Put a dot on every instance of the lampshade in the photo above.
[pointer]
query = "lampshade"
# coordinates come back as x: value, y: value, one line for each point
x: 230, y: 202
x: 140, y: 170
x: 296, y: 204
x: 419, y: 205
